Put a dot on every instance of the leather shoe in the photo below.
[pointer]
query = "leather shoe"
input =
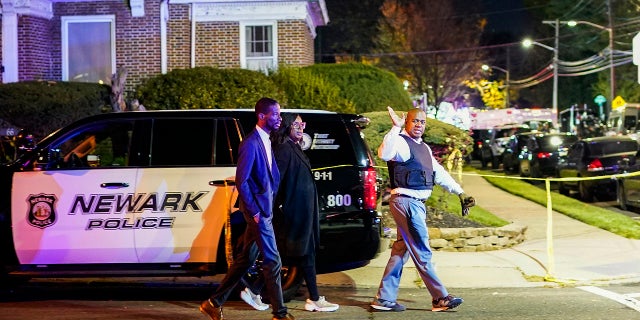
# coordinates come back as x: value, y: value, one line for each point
x: 288, y: 316
x: 215, y: 313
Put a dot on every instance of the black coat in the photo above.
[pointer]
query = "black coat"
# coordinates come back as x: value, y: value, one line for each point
x: 296, y: 219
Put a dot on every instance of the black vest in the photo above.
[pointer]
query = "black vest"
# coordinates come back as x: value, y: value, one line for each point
x: 415, y: 173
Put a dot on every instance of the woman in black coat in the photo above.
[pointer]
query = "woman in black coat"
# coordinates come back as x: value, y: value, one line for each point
x: 297, y: 204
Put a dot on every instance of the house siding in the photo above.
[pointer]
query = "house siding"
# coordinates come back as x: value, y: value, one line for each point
x: 138, y: 42
x: 218, y: 44
x: 295, y: 43
x: 34, y: 55
x: 137, y: 38
x: 178, y: 37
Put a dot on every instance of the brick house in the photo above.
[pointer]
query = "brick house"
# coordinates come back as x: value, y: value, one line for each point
x: 88, y: 40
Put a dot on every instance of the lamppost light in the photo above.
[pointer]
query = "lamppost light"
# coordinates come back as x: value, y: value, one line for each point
x: 527, y: 43
x: 485, y: 67
x: 572, y: 23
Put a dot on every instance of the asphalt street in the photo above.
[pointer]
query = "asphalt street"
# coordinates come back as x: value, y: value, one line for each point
x: 77, y: 299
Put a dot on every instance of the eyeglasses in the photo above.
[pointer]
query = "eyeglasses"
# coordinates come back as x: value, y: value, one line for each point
x: 299, y: 125
x: 416, y: 121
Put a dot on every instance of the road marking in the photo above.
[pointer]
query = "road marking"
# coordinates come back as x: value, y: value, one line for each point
x: 626, y: 300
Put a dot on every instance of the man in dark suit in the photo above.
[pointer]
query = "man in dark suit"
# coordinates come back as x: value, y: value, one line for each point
x: 257, y: 179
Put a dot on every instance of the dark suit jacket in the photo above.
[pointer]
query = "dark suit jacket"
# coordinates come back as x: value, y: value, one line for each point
x: 298, y: 197
x: 256, y: 183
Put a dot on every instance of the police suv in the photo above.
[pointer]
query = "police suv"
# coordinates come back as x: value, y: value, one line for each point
x: 151, y: 193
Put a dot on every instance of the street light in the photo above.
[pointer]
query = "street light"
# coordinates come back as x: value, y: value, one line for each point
x: 528, y: 43
x: 612, y: 72
x: 572, y: 23
x: 506, y: 84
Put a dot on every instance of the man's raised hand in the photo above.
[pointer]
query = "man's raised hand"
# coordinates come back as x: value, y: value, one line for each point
x: 397, y: 121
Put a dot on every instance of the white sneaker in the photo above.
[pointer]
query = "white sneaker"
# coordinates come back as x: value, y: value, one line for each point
x: 254, y: 300
x: 320, y: 305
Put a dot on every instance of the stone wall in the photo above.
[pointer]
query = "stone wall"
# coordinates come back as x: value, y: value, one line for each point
x: 476, y: 239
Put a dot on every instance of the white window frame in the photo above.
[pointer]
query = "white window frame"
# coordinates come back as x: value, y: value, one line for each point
x: 243, y: 42
x: 65, y: 20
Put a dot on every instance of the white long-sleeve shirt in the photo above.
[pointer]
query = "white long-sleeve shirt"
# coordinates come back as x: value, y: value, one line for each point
x: 395, y: 148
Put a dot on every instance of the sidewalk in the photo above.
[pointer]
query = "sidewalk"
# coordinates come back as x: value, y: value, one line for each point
x: 578, y: 255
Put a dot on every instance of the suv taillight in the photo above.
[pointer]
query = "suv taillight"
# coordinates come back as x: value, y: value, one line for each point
x: 370, y: 189
x: 595, y: 165
x: 544, y: 155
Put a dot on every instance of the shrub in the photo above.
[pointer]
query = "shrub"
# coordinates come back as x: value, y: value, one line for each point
x: 369, y: 87
x: 42, y: 107
x: 207, y: 88
x: 306, y: 90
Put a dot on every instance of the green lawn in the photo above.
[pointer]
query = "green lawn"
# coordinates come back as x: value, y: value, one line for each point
x: 442, y: 199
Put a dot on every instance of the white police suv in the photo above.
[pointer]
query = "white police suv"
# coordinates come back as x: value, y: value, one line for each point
x: 149, y: 193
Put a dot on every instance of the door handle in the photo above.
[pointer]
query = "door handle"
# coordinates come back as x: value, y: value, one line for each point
x: 222, y: 183
x: 113, y: 185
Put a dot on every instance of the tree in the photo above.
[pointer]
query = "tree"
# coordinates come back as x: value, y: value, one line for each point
x: 491, y: 92
x: 350, y: 31
x: 432, y: 44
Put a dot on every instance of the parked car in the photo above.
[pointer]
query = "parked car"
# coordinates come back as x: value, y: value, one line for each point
x: 593, y: 157
x: 539, y: 157
x: 628, y: 188
x: 152, y: 193
x: 500, y: 136
x: 513, y: 152
x: 481, y: 137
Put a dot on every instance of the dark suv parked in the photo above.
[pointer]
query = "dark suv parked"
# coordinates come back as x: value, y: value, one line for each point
x: 542, y: 151
x: 150, y: 193
x: 595, y: 157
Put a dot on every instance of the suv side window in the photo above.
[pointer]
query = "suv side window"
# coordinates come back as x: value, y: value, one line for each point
x: 103, y: 144
x: 329, y: 143
x: 200, y: 142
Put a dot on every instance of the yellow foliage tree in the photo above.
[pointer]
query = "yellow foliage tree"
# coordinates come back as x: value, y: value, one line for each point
x: 493, y: 93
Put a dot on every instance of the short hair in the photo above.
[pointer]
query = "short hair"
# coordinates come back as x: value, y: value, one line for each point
x: 264, y: 105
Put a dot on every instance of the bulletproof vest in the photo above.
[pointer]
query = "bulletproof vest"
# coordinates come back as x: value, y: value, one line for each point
x: 415, y: 173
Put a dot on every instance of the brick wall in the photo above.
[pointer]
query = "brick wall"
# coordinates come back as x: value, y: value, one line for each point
x: 218, y: 44
x: 34, y: 55
x: 138, y: 41
x: 295, y: 43
x: 178, y: 37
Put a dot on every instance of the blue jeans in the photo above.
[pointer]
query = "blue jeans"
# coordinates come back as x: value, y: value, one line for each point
x: 261, y: 235
x: 413, y: 241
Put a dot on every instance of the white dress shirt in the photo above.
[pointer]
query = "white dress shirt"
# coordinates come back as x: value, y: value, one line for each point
x: 395, y: 148
x: 267, y: 145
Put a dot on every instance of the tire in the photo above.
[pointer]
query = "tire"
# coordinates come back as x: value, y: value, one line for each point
x: 586, y: 194
x: 621, y: 197
x: 525, y: 168
x: 534, y: 171
x: 290, y: 279
x: 563, y: 189
x: 495, y: 163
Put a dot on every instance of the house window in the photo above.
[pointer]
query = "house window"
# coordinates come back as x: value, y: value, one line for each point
x: 88, y: 48
x: 259, y: 46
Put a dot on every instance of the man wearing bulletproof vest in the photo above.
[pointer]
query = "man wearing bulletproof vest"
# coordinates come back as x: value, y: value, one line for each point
x: 413, y: 171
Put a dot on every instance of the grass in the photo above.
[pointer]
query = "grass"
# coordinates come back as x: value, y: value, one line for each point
x: 598, y: 217
x: 444, y: 200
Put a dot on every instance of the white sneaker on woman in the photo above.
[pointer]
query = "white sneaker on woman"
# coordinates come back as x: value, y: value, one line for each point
x: 254, y: 300
x: 320, y: 305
